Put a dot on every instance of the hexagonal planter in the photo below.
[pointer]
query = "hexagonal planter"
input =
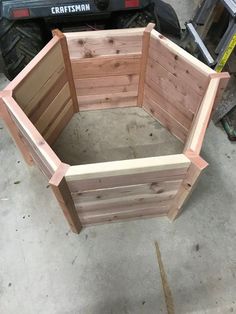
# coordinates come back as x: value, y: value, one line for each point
x: 111, y: 69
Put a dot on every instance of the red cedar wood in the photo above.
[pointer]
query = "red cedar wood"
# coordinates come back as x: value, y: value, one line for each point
x: 195, y: 170
x: 33, y: 63
x: 107, y: 66
x: 165, y: 119
x: 65, y: 52
x: 64, y: 198
x: 13, y: 129
x: 202, y: 118
x: 224, y: 80
x: 51, y: 137
x: 144, y: 60
x: 43, y: 104
x: 123, y: 214
x: 50, y: 159
x: 58, y: 182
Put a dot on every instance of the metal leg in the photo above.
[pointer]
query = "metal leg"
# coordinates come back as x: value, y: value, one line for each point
x: 204, y: 11
x: 200, y: 44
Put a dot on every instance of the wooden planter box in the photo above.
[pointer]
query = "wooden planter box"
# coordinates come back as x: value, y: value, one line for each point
x: 129, y: 67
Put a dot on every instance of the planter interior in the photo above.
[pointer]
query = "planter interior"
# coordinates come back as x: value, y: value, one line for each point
x: 87, y: 71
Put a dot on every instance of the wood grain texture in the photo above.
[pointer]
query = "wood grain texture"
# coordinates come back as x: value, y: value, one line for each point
x: 47, y: 99
x: 107, y: 92
x: 122, y: 198
x: 18, y: 80
x: 16, y: 135
x: 126, y: 172
x: 180, y: 63
x: 37, y: 83
x: 195, y: 170
x: 104, y: 43
x: 182, y: 116
x: 60, y: 122
x: 68, y: 68
x: 121, y: 214
x: 32, y: 136
x: 37, y: 158
x: 124, y: 167
x: 46, y: 87
x: 124, y: 180
x: 106, y: 66
x: 124, y: 203
x: 172, y: 89
x: 144, y: 61
x: 63, y: 196
x: 126, y: 191
x: 201, y: 120
x: 107, y: 85
x: 51, y: 112
x: 224, y: 80
x: 108, y: 101
x: 165, y: 119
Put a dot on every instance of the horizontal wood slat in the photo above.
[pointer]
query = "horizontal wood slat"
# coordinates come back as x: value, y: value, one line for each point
x: 106, y: 66
x: 168, y: 121
x: 107, y: 85
x: 46, y: 100
x: 53, y: 109
x: 181, y: 64
x: 105, y: 42
x: 41, y: 149
x: 131, y: 166
x: 40, y: 80
x: 130, y: 212
x: 46, y: 86
x: 181, y: 96
x: 125, y: 201
x: 60, y: 122
x: 108, y: 182
x: 105, y: 101
x: 125, y: 191
x: 152, y: 93
x: 126, y: 172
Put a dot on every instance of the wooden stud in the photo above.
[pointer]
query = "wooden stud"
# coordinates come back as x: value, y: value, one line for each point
x: 30, y: 135
x: 144, y: 60
x: 224, y: 80
x: 195, y: 170
x: 16, y: 135
x: 66, y: 56
x: 63, y: 196
x: 200, y: 123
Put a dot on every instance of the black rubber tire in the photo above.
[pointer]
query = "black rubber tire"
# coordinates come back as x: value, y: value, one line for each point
x: 20, y: 41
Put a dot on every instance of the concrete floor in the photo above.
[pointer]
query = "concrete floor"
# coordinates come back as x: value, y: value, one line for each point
x: 115, y: 134
x: 112, y: 268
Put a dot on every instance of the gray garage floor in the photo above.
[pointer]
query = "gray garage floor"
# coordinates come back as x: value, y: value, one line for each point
x: 113, y: 268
